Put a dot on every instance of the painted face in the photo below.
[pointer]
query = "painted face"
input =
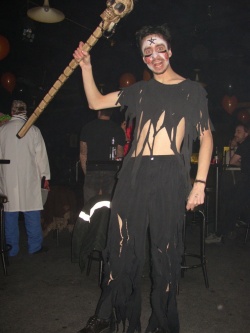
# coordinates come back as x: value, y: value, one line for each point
x: 156, y: 54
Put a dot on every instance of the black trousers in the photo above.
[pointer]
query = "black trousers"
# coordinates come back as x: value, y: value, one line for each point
x: 98, y: 182
x: 157, y: 201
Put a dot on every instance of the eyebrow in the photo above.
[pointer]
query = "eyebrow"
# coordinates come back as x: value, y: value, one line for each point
x: 149, y: 47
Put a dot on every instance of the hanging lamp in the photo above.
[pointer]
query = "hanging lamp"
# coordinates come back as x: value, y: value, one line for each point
x: 45, y: 14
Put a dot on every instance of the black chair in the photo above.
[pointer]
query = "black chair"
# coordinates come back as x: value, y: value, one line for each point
x: 90, y: 233
x: 4, y: 248
x: 196, y: 217
x: 95, y: 255
x: 209, y: 205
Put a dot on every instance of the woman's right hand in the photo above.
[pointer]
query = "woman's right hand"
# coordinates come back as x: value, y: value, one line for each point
x: 82, y: 56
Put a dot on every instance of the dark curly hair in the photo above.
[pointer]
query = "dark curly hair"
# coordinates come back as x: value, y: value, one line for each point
x: 147, y: 30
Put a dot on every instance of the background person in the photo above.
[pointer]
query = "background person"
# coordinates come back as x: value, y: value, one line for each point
x: 236, y: 196
x: 21, y: 180
x: 95, y: 142
x: 128, y: 130
x: 241, y: 157
x: 240, y: 194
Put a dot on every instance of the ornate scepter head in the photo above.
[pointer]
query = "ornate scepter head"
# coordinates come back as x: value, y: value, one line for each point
x: 116, y: 9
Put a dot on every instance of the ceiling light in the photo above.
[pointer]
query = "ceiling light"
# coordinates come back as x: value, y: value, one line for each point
x: 45, y: 14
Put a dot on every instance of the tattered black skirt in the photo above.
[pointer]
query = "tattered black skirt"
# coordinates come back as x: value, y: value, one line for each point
x: 156, y: 201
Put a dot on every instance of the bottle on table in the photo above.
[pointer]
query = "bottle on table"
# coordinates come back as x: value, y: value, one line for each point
x: 226, y: 155
x: 112, y: 151
x: 215, y: 159
x: 216, y: 156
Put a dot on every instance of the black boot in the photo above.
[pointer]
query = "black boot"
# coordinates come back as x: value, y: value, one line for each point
x: 96, y: 325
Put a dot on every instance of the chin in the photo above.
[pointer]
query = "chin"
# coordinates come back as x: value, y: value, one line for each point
x: 160, y: 71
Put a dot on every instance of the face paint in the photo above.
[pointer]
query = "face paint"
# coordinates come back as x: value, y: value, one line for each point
x: 155, y: 53
x: 154, y: 45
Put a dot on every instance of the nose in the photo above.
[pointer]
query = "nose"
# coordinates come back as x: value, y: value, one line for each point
x: 154, y: 55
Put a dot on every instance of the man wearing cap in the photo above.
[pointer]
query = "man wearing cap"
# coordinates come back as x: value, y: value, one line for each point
x: 20, y: 180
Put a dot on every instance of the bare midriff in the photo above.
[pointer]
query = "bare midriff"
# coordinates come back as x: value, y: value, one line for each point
x: 158, y: 142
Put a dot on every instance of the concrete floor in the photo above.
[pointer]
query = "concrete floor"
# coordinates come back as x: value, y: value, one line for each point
x: 48, y: 293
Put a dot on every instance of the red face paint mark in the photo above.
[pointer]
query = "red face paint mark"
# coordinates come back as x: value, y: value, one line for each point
x: 148, y: 60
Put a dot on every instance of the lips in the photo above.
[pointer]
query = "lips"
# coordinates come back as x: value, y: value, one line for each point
x: 157, y: 64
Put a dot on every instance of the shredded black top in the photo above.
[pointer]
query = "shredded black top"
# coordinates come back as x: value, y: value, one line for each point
x: 163, y: 106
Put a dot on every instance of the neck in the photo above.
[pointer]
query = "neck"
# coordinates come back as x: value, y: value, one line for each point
x: 169, y: 76
x: 20, y: 115
x: 104, y: 117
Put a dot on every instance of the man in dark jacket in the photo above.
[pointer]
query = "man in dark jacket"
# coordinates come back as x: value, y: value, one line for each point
x: 95, y: 142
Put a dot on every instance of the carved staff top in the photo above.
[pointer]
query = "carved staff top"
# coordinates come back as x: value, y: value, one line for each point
x: 116, y: 9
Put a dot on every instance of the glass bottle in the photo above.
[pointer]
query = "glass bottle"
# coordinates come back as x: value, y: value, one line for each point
x: 216, y: 156
x: 112, y: 150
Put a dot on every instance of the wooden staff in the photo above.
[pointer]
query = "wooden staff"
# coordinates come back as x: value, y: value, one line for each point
x: 108, y: 21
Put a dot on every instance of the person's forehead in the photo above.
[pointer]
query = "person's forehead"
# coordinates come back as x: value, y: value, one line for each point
x: 152, y: 40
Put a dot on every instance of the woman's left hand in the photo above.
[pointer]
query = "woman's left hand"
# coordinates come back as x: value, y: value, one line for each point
x: 196, y: 196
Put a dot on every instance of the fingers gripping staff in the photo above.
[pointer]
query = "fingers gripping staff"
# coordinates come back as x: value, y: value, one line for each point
x: 116, y: 9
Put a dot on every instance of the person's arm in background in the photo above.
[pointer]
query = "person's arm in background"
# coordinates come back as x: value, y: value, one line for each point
x: 95, y: 99
x: 197, y: 195
x: 235, y: 160
x: 233, y: 144
x: 119, y: 151
x: 83, y: 156
x: 121, y: 140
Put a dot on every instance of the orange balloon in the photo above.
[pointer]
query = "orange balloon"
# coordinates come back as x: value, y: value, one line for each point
x: 4, y: 47
x: 229, y: 103
x: 146, y: 75
x: 8, y: 81
x: 244, y: 116
x: 126, y: 80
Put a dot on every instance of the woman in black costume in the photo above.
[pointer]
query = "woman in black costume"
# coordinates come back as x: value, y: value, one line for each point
x: 170, y: 113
